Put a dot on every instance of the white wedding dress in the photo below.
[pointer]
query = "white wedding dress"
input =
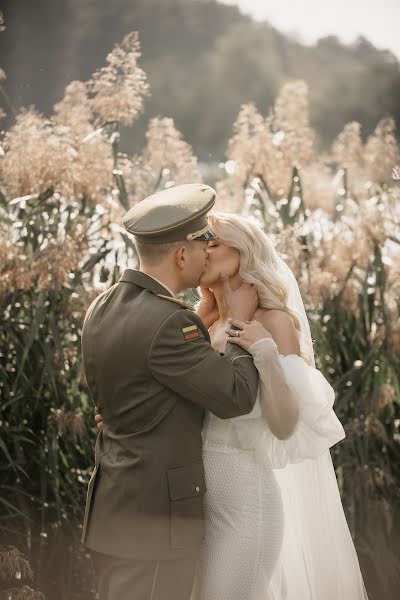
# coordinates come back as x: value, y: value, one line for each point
x: 275, y: 526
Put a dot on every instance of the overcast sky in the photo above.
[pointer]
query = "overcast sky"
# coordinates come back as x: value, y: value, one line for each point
x: 377, y: 20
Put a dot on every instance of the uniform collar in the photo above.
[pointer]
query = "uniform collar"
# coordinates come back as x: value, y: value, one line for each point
x: 145, y: 281
x: 163, y: 284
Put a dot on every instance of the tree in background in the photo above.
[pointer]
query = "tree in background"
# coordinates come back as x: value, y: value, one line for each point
x: 203, y: 59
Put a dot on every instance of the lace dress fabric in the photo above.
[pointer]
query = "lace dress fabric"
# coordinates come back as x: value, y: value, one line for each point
x: 244, y: 524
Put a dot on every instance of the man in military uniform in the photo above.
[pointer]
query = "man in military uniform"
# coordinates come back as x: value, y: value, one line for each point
x: 152, y: 373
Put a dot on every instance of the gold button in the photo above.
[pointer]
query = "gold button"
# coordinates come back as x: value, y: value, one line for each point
x: 197, y: 489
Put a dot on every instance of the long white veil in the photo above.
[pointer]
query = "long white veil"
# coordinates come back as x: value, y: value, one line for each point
x: 318, y: 560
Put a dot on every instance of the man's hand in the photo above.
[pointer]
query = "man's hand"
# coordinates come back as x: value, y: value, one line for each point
x: 246, y: 333
x: 242, y: 303
x: 99, y: 419
x: 207, y: 309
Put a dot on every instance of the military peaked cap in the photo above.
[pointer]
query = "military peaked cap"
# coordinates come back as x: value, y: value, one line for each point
x: 175, y: 214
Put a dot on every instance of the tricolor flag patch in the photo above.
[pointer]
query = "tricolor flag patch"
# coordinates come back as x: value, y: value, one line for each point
x: 190, y: 333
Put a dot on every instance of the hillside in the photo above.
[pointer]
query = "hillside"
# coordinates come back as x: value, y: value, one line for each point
x: 203, y: 60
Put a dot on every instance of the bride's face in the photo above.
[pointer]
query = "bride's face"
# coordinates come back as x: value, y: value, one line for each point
x: 221, y: 259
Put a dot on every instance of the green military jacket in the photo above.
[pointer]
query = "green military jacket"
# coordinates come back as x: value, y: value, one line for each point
x: 152, y: 372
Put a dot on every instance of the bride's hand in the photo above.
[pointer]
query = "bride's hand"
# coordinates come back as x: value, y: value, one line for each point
x: 99, y: 419
x: 247, y: 333
x: 208, y: 308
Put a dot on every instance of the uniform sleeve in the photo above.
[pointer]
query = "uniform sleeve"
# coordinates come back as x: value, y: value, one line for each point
x: 182, y: 359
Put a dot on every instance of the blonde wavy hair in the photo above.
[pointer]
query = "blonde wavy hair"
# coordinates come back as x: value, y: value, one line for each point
x: 258, y: 264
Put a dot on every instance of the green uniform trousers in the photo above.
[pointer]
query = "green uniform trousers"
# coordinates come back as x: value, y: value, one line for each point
x: 130, y: 579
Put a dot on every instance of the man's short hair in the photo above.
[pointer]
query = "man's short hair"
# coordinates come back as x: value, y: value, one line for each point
x: 151, y: 254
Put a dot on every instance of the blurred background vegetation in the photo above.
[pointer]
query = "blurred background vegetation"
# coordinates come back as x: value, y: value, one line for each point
x: 329, y: 199
x: 203, y: 59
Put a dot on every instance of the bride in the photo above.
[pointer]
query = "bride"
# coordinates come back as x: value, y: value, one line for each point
x: 275, y: 525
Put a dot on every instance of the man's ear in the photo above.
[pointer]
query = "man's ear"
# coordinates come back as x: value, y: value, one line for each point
x: 180, y: 257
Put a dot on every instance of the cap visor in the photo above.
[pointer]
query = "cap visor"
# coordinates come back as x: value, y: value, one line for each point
x: 205, y: 237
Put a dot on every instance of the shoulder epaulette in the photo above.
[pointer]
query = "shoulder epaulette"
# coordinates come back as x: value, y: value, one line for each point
x: 177, y: 301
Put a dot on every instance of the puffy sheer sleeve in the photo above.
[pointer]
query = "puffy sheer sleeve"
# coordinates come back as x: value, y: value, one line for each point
x: 317, y: 427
